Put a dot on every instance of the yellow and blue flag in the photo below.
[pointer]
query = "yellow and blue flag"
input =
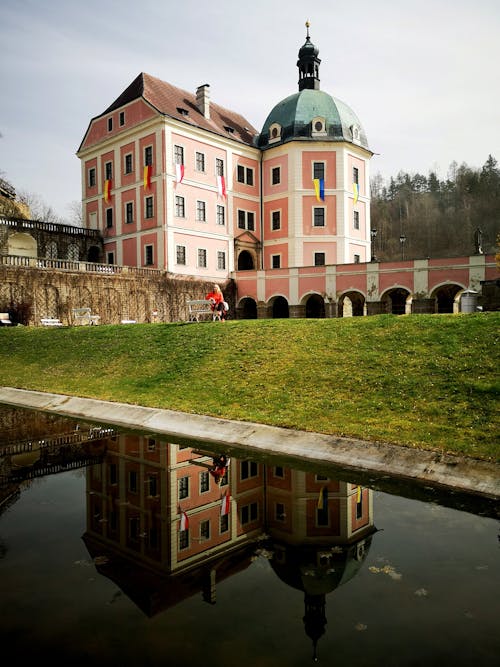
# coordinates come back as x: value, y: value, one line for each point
x: 319, y: 188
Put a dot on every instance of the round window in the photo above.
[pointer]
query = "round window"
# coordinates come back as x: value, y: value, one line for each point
x: 274, y: 132
x: 318, y: 126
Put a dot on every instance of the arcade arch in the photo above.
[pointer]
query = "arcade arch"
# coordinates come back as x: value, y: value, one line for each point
x: 314, y: 305
x: 278, y: 306
x: 22, y: 245
x: 247, y: 309
x: 397, y: 301
x: 447, y: 298
x: 351, y: 304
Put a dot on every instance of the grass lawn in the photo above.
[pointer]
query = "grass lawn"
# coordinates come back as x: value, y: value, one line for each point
x: 426, y: 381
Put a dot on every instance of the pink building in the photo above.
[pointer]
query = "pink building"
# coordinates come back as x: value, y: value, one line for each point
x: 174, y: 181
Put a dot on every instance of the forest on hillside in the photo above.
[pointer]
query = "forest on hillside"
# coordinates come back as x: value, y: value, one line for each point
x: 415, y: 216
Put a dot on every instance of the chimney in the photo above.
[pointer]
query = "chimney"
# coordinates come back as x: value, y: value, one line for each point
x: 203, y: 99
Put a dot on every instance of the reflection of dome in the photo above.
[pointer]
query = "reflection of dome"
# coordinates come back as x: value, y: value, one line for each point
x: 317, y: 570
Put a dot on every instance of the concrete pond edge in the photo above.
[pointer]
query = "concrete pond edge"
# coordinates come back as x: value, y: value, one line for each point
x: 456, y: 473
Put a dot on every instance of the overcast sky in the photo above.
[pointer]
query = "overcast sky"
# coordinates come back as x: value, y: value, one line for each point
x: 422, y: 77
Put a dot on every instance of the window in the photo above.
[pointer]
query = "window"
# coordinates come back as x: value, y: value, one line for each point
x: 221, y: 260
x: 148, y: 255
x: 355, y: 175
x: 201, y: 211
x: 357, y: 259
x: 149, y: 207
x: 275, y: 175
x: 183, y: 487
x: 205, y: 529
x: 200, y: 161
x: 129, y: 212
x: 279, y: 472
x: 110, y: 257
x: 113, y: 474
x: 132, y: 481
x: 319, y: 259
x: 319, y: 217
x: 224, y: 523
x: 221, y: 215
x: 122, y: 118
x: 280, y: 512
x: 204, y: 482
x: 244, y: 174
x: 183, y: 539
x: 108, y: 170
x: 322, y: 516
x: 92, y: 178
x: 202, y: 258
x: 128, y: 163
x: 148, y: 156
x: 219, y: 167
x: 151, y: 445
x: 249, y: 513
x: 359, y: 504
x: 133, y: 528
x: 110, y: 124
x: 179, y: 206
x: 318, y: 170
x: 51, y: 250
x: 275, y: 220
x: 276, y: 261
x: 246, y: 220
x: 181, y: 254
x: 356, y: 220
x: 178, y: 155
x: 248, y: 469
x: 152, y: 485
x: 109, y: 217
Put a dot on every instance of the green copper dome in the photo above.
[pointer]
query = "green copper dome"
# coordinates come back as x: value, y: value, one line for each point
x: 292, y: 119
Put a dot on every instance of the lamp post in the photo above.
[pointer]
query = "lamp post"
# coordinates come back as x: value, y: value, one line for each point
x: 373, y: 234
x: 402, y: 240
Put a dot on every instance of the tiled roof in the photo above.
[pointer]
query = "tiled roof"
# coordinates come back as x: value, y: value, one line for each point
x: 170, y: 100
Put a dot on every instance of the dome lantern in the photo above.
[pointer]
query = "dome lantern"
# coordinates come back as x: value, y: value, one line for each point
x: 308, y: 64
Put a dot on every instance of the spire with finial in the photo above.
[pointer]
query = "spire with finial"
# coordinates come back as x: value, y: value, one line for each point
x: 308, y: 64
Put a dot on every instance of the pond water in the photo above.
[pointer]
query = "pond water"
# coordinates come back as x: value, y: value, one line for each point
x: 276, y: 565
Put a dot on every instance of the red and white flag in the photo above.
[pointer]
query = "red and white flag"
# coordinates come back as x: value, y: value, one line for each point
x: 184, y: 521
x: 221, y: 186
x: 179, y: 172
x: 225, y: 504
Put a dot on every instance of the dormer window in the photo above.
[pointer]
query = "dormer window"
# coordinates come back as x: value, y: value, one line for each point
x: 318, y: 127
x: 182, y: 111
x: 274, y: 133
x: 229, y: 129
x: 356, y: 135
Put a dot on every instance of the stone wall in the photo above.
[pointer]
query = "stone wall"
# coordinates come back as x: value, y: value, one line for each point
x: 114, y: 296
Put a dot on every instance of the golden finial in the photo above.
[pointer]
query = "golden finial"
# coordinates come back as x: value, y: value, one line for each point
x: 307, y: 26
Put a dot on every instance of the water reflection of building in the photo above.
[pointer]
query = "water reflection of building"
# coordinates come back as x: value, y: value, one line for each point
x: 315, y: 530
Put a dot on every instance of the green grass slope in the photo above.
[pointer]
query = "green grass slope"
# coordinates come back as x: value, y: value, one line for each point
x: 427, y: 381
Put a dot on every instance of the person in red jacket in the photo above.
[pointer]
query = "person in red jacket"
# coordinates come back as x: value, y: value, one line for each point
x: 216, y: 298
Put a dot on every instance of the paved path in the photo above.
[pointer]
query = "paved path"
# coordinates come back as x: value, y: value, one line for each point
x: 411, y: 465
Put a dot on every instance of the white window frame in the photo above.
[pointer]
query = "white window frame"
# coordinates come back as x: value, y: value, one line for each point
x: 221, y: 260
x: 273, y: 228
x: 147, y: 200
x: 201, y: 210
x: 125, y: 157
x: 245, y: 172
x: 317, y: 253
x: 121, y: 118
x: 278, y: 257
x: 179, y: 203
x: 178, y: 152
x: 245, y: 220
x: 203, y: 265
x: 199, y: 161
x: 315, y: 208
x: 274, y: 170
x: 219, y: 166
x: 129, y: 205
x: 318, y: 162
x: 221, y: 214
x: 148, y: 155
x: 92, y: 177
x: 149, y: 248
x: 108, y: 170
x: 183, y: 254
x: 355, y: 219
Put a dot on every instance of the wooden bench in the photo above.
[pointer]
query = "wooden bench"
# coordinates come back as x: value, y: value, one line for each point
x: 200, y: 309
x: 84, y: 316
x: 5, y: 320
x: 51, y: 322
